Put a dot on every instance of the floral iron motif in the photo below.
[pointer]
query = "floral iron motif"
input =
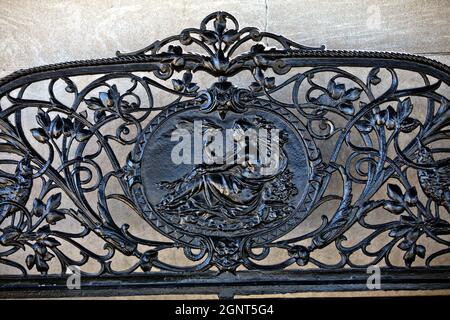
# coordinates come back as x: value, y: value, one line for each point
x: 391, y: 161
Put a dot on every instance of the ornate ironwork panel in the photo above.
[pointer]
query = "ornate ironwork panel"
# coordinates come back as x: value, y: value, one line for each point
x: 357, y: 174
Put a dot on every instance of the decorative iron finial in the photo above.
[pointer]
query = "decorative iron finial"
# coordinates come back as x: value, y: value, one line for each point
x: 222, y: 40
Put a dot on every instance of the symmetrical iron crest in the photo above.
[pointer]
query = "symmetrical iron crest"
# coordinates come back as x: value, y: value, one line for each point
x: 368, y: 147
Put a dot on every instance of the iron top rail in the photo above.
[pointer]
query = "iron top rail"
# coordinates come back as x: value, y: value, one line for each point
x: 310, y: 58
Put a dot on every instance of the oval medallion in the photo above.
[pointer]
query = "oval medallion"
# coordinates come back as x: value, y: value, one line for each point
x: 246, y: 174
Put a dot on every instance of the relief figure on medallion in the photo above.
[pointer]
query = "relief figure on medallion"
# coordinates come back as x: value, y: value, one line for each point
x: 249, y: 185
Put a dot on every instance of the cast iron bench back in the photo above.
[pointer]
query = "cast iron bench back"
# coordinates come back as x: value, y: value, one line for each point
x: 363, y: 182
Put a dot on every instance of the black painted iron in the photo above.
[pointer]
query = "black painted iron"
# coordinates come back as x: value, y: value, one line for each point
x: 227, y: 232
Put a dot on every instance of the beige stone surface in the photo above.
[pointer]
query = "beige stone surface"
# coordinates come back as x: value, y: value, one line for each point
x: 43, y: 32
x: 414, y: 26
x: 49, y: 31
